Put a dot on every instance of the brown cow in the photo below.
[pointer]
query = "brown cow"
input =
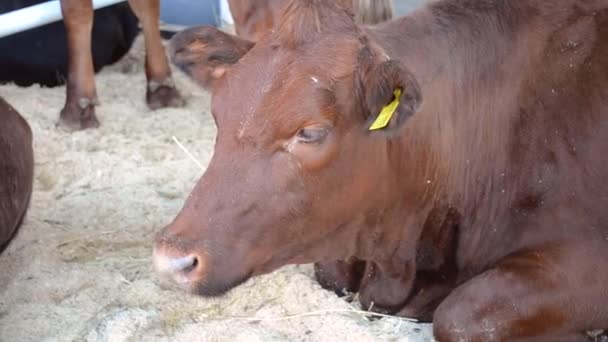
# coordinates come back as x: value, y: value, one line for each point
x: 16, y: 171
x: 484, y: 209
x: 79, y: 109
x: 254, y: 18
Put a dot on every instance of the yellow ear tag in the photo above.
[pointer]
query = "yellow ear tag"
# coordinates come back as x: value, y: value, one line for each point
x: 387, y: 112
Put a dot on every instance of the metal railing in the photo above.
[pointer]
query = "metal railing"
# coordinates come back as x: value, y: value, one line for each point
x: 38, y: 15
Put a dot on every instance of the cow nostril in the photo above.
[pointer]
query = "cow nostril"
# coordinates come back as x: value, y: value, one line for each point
x: 182, y: 265
x: 192, y: 266
x: 182, y: 268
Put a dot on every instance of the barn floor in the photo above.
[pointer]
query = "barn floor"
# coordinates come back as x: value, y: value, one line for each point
x: 81, y: 267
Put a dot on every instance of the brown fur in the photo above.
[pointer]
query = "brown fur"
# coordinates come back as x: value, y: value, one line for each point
x: 372, y: 12
x: 253, y: 19
x: 204, y: 51
x: 481, y: 206
x: 16, y: 171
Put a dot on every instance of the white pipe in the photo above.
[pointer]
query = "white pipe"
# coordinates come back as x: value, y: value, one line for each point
x: 225, y: 12
x: 38, y: 15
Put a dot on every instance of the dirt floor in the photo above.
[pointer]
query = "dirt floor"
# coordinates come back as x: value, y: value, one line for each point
x: 81, y: 267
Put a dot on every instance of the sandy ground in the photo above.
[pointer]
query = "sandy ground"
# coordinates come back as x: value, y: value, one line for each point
x: 81, y: 268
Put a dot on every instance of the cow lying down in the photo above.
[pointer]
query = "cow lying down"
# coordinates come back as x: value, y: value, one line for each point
x: 448, y: 165
x: 16, y: 171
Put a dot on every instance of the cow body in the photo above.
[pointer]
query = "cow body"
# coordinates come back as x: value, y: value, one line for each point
x: 16, y: 171
x: 479, y: 205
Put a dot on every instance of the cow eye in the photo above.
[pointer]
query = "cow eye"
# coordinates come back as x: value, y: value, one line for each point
x: 312, y: 134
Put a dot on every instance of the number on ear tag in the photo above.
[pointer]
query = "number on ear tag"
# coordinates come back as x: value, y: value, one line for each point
x: 387, y: 112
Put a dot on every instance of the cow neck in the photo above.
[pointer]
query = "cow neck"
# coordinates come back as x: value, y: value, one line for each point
x: 451, y: 152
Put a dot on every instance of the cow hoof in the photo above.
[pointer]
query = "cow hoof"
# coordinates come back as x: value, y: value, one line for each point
x: 341, y: 277
x: 163, y: 94
x: 371, y: 306
x: 79, y: 115
x: 598, y: 336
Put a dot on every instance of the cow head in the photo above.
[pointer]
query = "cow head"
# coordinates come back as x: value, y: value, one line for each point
x: 303, y: 166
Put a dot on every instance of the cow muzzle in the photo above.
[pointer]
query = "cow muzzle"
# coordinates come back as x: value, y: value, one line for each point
x: 185, y: 269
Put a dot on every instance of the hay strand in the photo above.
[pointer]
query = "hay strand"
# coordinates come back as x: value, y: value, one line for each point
x: 188, y: 153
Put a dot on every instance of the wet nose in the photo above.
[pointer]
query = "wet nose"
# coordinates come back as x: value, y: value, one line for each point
x: 183, y: 269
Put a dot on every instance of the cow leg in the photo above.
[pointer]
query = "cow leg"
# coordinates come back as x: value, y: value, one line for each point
x: 552, y: 293
x: 386, y: 287
x: 81, y: 97
x: 377, y: 291
x: 430, y: 288
x: 161, y: 91
x: 340, y: 276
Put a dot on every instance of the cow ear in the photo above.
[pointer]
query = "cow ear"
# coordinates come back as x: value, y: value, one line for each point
x: 390, y: 95
x: 205, y: 53
x: 347, y: 4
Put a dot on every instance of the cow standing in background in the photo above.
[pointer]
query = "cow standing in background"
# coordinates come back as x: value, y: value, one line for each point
x: 40, y: 55
x: 33, y: 56
x: 79, y: 109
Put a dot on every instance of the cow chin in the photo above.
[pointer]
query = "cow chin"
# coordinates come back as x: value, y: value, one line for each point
x: 217, y: 284
x: 215, y: 287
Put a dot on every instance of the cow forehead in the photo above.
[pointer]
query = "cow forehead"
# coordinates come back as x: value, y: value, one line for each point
x: 274, y: 89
